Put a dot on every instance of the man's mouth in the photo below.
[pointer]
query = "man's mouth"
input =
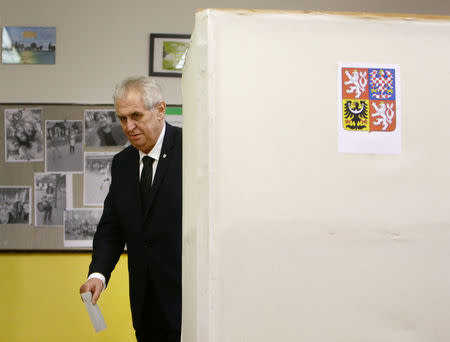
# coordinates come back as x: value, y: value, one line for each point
x: 135, y: 135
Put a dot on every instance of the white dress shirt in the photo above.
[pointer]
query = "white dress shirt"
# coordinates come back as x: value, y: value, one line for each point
x: 155, y: 154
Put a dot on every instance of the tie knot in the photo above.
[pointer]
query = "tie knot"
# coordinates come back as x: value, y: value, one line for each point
x: 147, y: 160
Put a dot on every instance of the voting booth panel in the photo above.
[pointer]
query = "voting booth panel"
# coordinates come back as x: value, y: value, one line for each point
x: 285, y: 237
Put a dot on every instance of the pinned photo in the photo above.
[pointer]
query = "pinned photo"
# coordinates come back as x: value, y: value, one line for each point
x: 50, y: 191
x: 102, y: 128
x: 23, y: 135
x: 64, y: 146
x: 97, y: 177
x: 15, y: 204
x: 80, y: 226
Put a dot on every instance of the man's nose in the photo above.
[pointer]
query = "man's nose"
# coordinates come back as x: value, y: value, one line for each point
x: 130, y: 125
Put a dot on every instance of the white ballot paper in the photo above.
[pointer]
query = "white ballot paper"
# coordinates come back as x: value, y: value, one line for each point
x: 94, y: 312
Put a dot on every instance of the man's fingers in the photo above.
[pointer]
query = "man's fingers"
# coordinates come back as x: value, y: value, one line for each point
x: 85, y: 288
x: 96, y: 294
x: 95, y: 286
x: 96, y: 289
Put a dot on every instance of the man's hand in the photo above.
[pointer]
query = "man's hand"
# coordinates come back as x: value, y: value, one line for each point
x: 95, y: 286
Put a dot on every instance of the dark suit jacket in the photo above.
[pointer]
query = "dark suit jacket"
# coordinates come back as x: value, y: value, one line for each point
x: 152, y: 236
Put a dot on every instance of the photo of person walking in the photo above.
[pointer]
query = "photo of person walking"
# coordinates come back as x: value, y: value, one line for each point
x: 64, y: 145
x: 50, y: 192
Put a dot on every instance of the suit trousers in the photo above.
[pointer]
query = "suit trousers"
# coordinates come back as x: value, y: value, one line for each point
x: 155, y: 327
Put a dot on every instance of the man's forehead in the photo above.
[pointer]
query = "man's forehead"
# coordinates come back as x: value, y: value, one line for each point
x: 129, y: 108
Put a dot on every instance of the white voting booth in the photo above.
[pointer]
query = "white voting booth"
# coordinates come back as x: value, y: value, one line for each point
x: 284, y: 237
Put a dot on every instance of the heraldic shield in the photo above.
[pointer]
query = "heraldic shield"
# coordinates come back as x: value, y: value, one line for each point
x: 368, y: 99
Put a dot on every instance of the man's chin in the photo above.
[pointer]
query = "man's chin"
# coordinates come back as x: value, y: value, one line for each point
x: 136, y: 145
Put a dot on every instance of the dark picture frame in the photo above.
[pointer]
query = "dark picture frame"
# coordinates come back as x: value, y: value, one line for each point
x: 167, y: 54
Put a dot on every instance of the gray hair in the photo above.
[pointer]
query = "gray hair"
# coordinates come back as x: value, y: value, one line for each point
x: 150, y: 90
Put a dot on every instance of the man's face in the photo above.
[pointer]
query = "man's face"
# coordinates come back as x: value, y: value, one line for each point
x: 141, y: 125
x: 103, y: 120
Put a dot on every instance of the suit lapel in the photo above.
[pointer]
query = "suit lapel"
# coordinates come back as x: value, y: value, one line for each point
x: 163, y: 164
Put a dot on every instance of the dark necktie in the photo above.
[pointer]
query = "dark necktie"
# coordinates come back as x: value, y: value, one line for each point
x: 146, y: 179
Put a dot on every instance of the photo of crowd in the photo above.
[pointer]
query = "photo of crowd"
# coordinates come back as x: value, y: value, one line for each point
x: 80, y: 226
x: 15, y: 204
x: 23, y: 135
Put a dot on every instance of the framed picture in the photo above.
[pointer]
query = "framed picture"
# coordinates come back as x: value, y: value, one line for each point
x: 167, y: 54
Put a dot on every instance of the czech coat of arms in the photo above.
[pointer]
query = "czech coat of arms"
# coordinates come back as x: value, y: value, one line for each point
x: 368, y: 99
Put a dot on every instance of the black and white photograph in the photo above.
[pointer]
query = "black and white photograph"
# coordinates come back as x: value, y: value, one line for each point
x: 97, y: 177
x: 15, y: 204
x: 23, y: 135
x: 102, y: 128
x: 50, y: 193
x: 64, y: 146
x: 80, y: 226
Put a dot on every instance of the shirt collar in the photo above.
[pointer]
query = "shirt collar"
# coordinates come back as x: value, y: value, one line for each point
x: 156, y: 150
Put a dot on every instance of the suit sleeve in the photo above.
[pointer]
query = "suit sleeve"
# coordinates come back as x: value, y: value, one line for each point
x: 108, y: 241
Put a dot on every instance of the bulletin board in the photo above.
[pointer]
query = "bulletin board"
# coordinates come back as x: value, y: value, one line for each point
x: 61, y: 155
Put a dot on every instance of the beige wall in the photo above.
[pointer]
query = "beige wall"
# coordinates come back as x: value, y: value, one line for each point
x: 101, y: 41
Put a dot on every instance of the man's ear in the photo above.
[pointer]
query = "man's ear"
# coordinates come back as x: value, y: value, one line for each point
x: 161, y: 107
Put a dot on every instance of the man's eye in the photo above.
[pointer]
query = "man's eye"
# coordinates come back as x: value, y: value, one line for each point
x: 122, y: 119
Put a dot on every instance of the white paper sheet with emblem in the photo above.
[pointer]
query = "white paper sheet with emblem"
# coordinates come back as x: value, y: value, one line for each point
x: 369, y: 110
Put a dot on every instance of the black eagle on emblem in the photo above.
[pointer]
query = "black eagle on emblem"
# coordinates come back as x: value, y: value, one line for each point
x: 356, y: 114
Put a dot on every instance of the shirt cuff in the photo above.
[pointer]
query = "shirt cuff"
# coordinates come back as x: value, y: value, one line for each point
x: 98, y: 276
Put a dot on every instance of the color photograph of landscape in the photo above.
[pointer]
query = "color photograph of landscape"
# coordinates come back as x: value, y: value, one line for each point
x: 28, y: 45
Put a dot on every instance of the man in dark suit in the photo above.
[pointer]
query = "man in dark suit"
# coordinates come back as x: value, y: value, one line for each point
x: 143, y: 211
